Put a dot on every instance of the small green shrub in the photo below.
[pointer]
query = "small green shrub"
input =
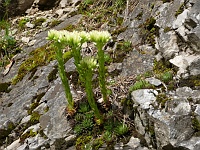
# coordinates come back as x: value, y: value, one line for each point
x: 84, y: 107
x: 167, y: 76
x: 141, y: 84
x: 121, y: 129
x: 119, y: 3
x: 82, y: 141
x: 8, y: 45
x: 88, y: 2
x: 22, y: 23
x: 39, y: 21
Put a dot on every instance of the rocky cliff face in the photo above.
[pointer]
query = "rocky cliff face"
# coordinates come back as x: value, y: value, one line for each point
x: 165, y: 57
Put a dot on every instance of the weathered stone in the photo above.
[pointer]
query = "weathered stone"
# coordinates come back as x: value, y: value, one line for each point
x: 183, y: 61
x: 191, y: 144
x: 63, y: 3
x: 134, y: 144
x: 194, y: 67
x: 153, y: 81
x: 141, y: 62
x: 144, y: 97
x: 25, y: 39
x: 167, y: 44
x: 14, y: 145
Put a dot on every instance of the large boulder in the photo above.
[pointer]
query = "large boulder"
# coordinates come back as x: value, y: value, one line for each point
x: 15, y: 7
x: 47, y: 4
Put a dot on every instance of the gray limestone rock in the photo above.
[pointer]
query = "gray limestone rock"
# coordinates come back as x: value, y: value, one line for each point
x: 153, y: 81
x: 144, y: 97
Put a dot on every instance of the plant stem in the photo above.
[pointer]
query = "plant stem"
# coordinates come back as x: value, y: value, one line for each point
x: 102, y: 80
x: 76, y: 52
x: 89, y: 93
x: 65, y: 82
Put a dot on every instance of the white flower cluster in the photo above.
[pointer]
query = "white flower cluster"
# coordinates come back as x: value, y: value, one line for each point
x: 100, y: 36
x: 76, y: 38
x: 90, y: 62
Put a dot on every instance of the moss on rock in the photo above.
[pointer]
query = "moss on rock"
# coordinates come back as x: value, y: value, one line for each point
x: 38, y: 57
x: 4, y: 87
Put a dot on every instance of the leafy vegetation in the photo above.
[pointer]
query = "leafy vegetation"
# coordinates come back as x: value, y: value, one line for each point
x: 91, y: 134
x: 141, y: 84
x: 22, y: 23
x: 8, y: 45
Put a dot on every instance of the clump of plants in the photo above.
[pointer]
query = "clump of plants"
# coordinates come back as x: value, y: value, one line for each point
x: 85, y: 66
x: 91, y: 118
x: 113, y: 129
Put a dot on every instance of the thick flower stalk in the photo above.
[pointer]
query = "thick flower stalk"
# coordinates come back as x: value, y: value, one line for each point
x: 101, y: 38
x: 87, y: 65
x: 74, y: 42
x: 55, y: 36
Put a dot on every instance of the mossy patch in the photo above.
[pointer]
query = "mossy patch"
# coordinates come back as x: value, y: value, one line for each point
x: 35, y: 103
x: 39, y: 21
x: 6, y: 132
x: 148, y: 31
x: 192, y: 82
x: 82, y: 141
x: 38, y: 57
x: 4, y: 87
x: 54, y: 23
x: 52, y: 75
x: 163, y: 70
x: 139, y: 16
x: 180, y: 10
x: 167, y: 29
x: 26, y: 135
x: 141, y: 84
x: 121, y: 51
x: 22, y: 23
x: 35, y: 116
x: 70, y: 27
x: 162, y: 98
x: 196, y: 124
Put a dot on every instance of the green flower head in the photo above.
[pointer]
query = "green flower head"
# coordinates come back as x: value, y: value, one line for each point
x: 84, y: 36
x: 74, y: 38
x: 53, y: 35
x: 100, y: 36
x: 88, y: 62
x: 64, y: 36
